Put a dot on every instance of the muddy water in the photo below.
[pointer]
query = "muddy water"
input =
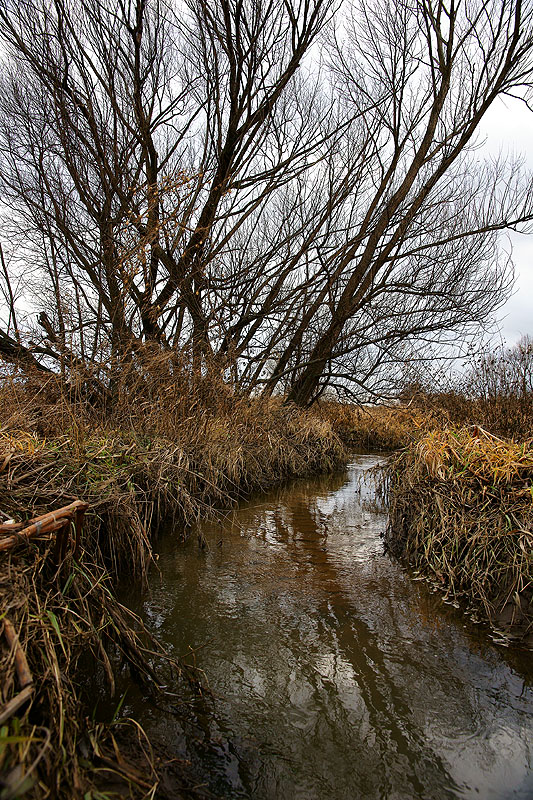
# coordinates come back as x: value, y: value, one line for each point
x: 336, y: 675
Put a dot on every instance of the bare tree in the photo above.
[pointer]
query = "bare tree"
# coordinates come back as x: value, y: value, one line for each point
x: 289, y: 191
x: 499, y: 373
x: 135, y: 142
x: 422, y: 207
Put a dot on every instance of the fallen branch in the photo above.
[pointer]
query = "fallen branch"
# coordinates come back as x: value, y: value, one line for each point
x: 7, y: 711
x: 22, y: 669
x: 47, y: 523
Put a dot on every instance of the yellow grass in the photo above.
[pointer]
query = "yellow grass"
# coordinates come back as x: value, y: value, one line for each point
x: 170, y: 450
x: 461, y: 512
x: 375, y: 427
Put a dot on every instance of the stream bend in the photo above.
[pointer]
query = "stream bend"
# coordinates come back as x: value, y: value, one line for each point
x: 336, y: 675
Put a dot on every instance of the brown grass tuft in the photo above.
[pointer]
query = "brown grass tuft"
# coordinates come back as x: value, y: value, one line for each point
x: 375, y: 427
x: 461, y: 512
x: 49, y: 748
x: 170, y: 446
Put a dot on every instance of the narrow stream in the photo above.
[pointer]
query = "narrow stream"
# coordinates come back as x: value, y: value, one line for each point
x: 336, y: 676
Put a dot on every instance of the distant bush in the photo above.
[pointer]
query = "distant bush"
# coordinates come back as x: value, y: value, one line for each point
x: 496, y: 392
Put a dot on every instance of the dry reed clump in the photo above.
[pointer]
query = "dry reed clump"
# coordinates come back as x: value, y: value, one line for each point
x: 46, y: 748
x: 149, y: 461
x: 49, y: 747
x: 168, y: 450
x: 509, y: 415
x: 461, y: 512
x: 375, y: 427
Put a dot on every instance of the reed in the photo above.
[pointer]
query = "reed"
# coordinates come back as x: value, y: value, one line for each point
x: 506, y: 415
x: 52, y: 618
x: 461, y: 514
x: 135, y: 478
x: 164, y: 449
x: 378, y: 427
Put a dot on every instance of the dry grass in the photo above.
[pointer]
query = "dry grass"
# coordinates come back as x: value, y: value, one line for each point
x: 50, y: 748
x: 461, y: 512
x: 507, y: 415
x: 170, y: 445
x: 175, y: 445
x: 376, y: 427
x: 135, y: 478
x: 164, y: 449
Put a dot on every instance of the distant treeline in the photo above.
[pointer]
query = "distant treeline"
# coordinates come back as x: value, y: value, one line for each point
x: 496, y: 392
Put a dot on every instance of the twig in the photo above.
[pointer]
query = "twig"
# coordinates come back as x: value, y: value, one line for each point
x: 46, y: 523
x: 21, y: 664
x: 15, y: 703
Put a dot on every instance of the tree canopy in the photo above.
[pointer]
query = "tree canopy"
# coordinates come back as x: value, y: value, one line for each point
x: 289, y: 193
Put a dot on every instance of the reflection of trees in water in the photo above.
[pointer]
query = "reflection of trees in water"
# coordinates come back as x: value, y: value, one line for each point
x: 389, y: 715
x: 320, y: 486
x: 340, y: 627
x: 303, y: 527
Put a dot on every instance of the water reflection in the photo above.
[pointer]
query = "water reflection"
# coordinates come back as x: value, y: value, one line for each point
x: 336, y: 675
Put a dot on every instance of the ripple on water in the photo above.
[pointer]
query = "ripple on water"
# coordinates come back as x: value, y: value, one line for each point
x: 337, y: 676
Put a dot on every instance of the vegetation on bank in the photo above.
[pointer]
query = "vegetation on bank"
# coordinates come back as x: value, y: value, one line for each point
x: 461, y: 513
x: 460, y: 484
x: 461, y: 492
x: 175, y: 445
x: 378, y: 427
x: 163, y: 453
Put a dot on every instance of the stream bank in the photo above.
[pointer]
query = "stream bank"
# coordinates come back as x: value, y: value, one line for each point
x: 135, y: 469
x: 334, y: 673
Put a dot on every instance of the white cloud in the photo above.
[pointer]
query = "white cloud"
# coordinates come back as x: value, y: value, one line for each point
x: 508, y: 129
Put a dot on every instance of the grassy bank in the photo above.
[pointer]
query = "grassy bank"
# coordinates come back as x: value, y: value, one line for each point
x: 377, y: 427
x: 181, y: 448
x: 461, y: 513
x: 155, y: 455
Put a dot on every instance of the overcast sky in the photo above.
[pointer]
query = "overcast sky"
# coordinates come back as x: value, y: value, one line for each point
x: 508, y: 128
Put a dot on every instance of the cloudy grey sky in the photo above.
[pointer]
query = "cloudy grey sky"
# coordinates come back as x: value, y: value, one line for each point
x: 508, y: 128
